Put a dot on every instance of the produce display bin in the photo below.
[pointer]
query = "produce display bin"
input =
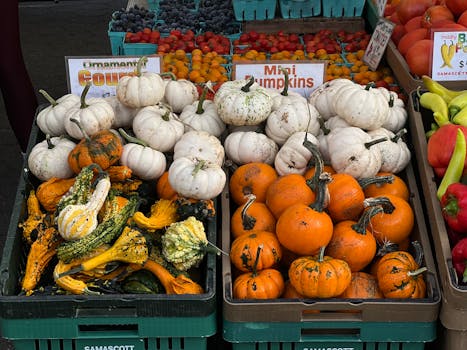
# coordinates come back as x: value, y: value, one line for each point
x: 343, y: 8
x: 453, y: 310
x: 138, y: 49
x: 340, y: 323
x: 300, y: 8
x: 79, y: 322
x: 116, y: 41
x: 247, y: 10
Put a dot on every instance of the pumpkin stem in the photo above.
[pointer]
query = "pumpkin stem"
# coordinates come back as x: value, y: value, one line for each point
x: 246, y: 87
x: 399, y: 135
x: 200, y: 109
x: 229, y: 165
x: 49, y: 98
x: 86, y: 136
x: 83, y: 95
x: 364, y: 220
x: 254, y: 268
x: 318, y: 163
x: 376, y: 180
x: 370, y: 85
x: 248, y: 221
x: 198, y: 167
x: 171, y: 75
x: 50, y: 145
x: 212, y: 248
x: 418, y: 252
x: 320, y: 200
x: 286, y: 81
x: 417, y: 271
x: 387, y: 247
x: 388, y: 207
x: 131, y: 139
x: 374, y: 142
x: 391, y: 100
x: 323, y: 126
x: 321, y: 254
x: 142, y: 61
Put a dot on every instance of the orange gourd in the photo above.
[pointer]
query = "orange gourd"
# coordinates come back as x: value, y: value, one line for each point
x: 244, y: 249
x: 163, y: 188
x: 362, y: 286
x: 252, y: 216
x: 49, y: 192
x: 346, y: 198
x: 384, y: 183
x: 251, y: 178
x: 290, y: 292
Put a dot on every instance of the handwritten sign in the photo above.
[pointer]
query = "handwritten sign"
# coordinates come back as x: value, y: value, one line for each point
x: 449, y: 55
x: 378, y: 43
x: 104, y: 72
x: 304, y: 76
x: 381, y: 6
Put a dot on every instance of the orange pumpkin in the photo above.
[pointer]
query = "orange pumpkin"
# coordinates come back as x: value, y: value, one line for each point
x: 399, y: 276
x: 251, y: 178
x: 352, y: 242
x: 319, y: 276
x: 258, y: 284
x: 310, y: 172
x: 290, y: 292
x: 346, y: 198
x: 163, y: 188
x: 385, y: 183
x: 362, y: 286
x: 252, y: 216
x: 396, y: 221
x: 244, y: 249
x: 51, y: 191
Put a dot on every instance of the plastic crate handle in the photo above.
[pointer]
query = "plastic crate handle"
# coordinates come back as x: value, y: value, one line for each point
x: 108, y: 330
x: 330, y: 333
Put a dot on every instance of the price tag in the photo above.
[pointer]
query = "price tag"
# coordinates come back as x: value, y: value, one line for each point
x: 104, y: 72
x: 304, y: 76
x: 449, y: 55
x: 378, y: 42
x: 381, y: 6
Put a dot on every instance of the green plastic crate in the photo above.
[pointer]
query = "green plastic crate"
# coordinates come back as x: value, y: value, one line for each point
x: 343, y: 8
x: 300, y: 8
x: 249, y: 10
x: 116, y: 42
x: 139, y: 49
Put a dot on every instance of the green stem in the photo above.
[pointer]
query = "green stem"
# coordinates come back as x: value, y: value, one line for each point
x: 254, y: 268
x: 417, y: 271
x: 369, y: 86
x: 399, y: 135
x: 131, y: 139
x: 49, y: 98
x: 86, y: 136
x: 374, y: 142
x: 388, y: 207
x: 83, y: 95
x: 361, y: 225
x: 318, y: 204
x: 198, y: 167
x: 248, y: 221
x: 376, y: 180
x: 168, y: 74
x: 50, y: 145
x: 200, y: 109
x: 321, y: 254
x: 286, y: 82
x: 313, y: 183
x: 391, y: 100
x: 418, y: 252
x: 139, y: 65
x: 246, y: 87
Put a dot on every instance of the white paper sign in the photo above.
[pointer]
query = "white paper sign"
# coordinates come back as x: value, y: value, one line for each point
x: 104, y: 72
x: 449, y: 55
x: 304, y: 76
x: 381, y: 6
x: 378, y: 43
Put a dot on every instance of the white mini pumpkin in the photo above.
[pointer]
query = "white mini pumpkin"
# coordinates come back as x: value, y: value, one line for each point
x: 285, y: 96
x: 323, y: 97
x: 200, y: 144
x: 293, y: 157
x: 397, y: 116
x: 123, y: 114
x: 158, y: 126
x: 196, y: 178
x: 141, y: 89
x: 179, y: 93
x: 51, y: 120
x: 326, y: 127
x: 291, y: 118
x: 244, y: 147
x: 49, y: 158
x: 243, y: 102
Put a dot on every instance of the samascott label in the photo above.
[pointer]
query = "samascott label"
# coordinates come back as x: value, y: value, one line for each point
x: 449, y: 55
x: 110, y: 347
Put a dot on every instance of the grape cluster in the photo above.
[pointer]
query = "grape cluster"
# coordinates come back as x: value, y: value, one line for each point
x: 218, y: 17
x: 133, y: 20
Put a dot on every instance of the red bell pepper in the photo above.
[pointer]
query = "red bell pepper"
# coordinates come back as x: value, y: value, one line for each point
x: 454, y: 207
x: 459, y: 259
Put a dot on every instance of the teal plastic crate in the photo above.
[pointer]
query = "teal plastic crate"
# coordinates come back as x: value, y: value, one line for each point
x: 138, y: 49
x: 116, y: 42
x: 300, y: 8
x: 343, y: 8
x: 249, y: 10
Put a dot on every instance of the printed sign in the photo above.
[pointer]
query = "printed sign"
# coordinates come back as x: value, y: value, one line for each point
x: 449, y: 55
x: 304, y: 76
x: 381, y: 6
x: 378, y: 43
x: 104, y: 72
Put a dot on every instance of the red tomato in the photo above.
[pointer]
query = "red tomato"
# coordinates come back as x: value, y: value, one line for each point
x: 457, y: 7
x: 418, y: 57
x: 435, y: 14
x: 408, y: 9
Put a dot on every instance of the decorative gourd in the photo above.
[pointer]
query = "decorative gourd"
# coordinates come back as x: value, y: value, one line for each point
x: 322, y: 98
x: 244, y: 147
x: 163, y: 213
x: 351, y: 151
x: 51, y: 191
x: 179, y: 92
x: 124, y: 115
x: 285, y: 96
x: 202, y: 115
x: 144, y: 161
x: 243, y: 102
x: 326, y: 127
x: 395, y: 223
x: 251, y: 178
x: 93, y: 114
x: 68, y: 283
x: 201, y: 145
x: 400, y: 276
x: 394, y: 152
x: 384, y: 183
x: 293, y: 157
x: 196, y: 178
x: 51, y: 120
x: 363, y: 107
x: 163, y: 188
x: 158, y: 127
x: 352, y: 242
x: 49, y: 158
x: 397, y: 116
x: 140, y: 89
x: 252, y: 216
x: 244, y: 248
x: 35, y: 218
x: 78, y: 220
x: 305, y: 228
x: 104, y: 148
x: 291, y: 118
x: 346, y: 198
x: 119, y: 173
x: 184, y: 244
x: 362, y: 286
x: 319, y: 276
x: 258, y: 284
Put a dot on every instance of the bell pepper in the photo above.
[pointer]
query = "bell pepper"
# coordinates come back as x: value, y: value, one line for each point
x: 454, y: 207
x: 440, y: 148
x: 459, y: 259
